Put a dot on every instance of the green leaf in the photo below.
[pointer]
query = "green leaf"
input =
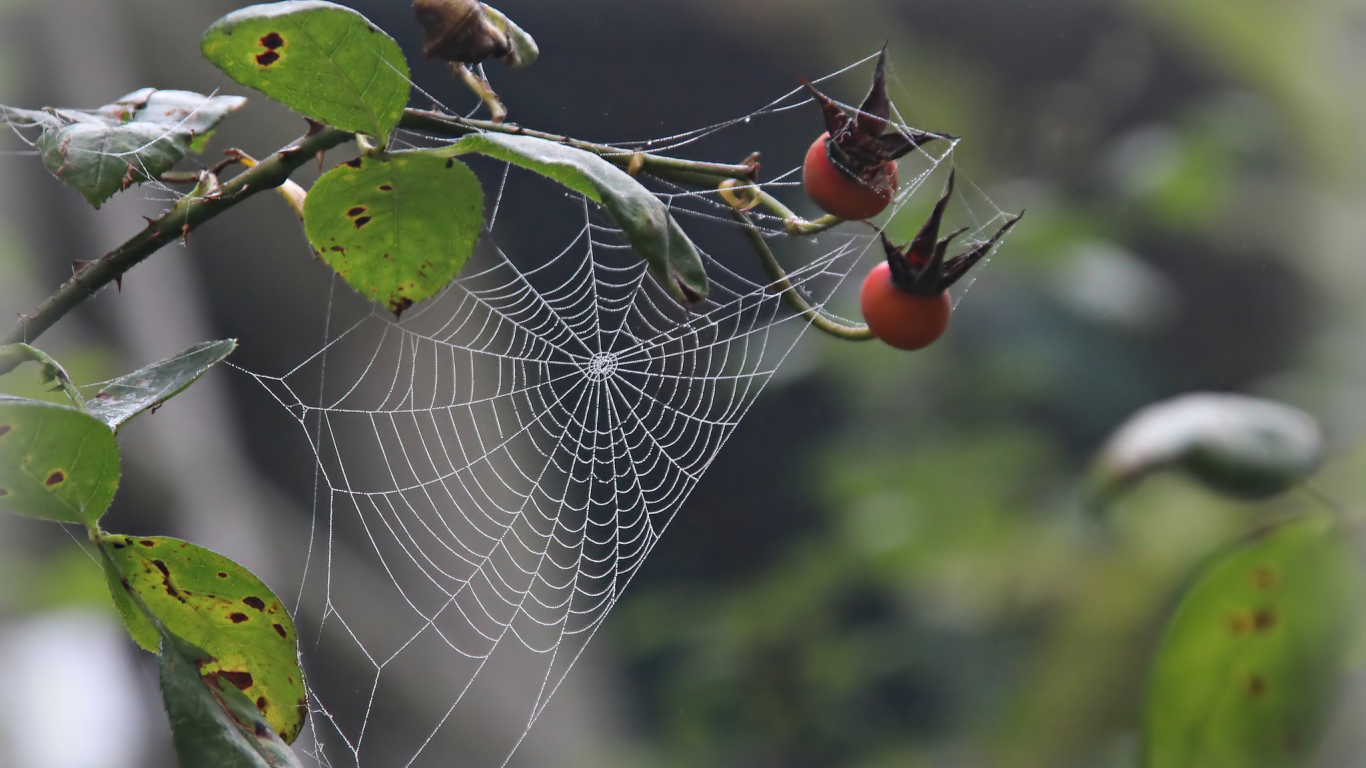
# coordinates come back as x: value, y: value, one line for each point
x: 133, y: 140
x: 649, y: 228
x: 321, y: 59
x: 131, y: 394
x: 1241, y: 446
x: 213, y: 724
x: 398, y: 227
x: 220, y: 606
x: 1252, y: 660
x: 56, y: 463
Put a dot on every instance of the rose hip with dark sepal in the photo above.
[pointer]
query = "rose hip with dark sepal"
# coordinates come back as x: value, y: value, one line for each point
x: 850, y: 171
x: 905, y: 299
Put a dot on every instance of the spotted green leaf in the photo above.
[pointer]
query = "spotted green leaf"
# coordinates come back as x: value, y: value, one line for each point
x: 56, y: 462
x: 1252, y: 659
x: 218, y: 605
x: 397, y: 227
x: 648, y: 226
x: 213, y: 724
x: 131, y: 394
x: 321, y: 59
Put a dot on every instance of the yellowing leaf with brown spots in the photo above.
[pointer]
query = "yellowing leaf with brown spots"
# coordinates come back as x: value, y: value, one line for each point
x: 56, y: 462
x: 396, y: 227
x: 1252, y: 660
x: 220, y: 606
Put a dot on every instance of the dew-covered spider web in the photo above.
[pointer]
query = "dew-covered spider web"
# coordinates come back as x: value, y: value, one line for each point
x: 493, y: 470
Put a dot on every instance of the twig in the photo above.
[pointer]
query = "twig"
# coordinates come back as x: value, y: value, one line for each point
x: 440, y: 124
x: 692, y: 172
x: 483, y: 90
x: 794, y: 300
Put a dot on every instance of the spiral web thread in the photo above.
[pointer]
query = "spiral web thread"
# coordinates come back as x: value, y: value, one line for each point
x: 493, y: 470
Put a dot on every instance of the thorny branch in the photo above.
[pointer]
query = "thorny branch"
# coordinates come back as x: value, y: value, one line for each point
x: 187, y: 215
x: 191, y: 212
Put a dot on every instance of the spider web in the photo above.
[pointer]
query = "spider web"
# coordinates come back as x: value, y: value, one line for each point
x: 503, y: 461
x: 493, y: 470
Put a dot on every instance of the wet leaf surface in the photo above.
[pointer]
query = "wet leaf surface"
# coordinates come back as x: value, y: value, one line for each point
x: 149, y: 387
x: 131, y: 141
x: 180, y: 110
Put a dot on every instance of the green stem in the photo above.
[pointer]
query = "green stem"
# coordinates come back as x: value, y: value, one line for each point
x: 794, y: 224
x: 692, y: 172
x: 439, y: 124
x: 176, y: 223
x: 794, y: 299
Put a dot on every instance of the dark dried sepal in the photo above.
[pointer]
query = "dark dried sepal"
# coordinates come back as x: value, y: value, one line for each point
x: 459, y: 31
x: 836, y: 121
x: 861, y: 146
x: 920, y: 269
x: 926, y: 240
x: 900, y: 143
x: 959, y: 265
x: 876, y: 107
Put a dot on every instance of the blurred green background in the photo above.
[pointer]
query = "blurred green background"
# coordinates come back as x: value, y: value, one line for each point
x: 888, y: 567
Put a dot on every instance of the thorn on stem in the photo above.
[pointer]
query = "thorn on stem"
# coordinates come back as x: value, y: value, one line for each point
x: 232, y: 157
